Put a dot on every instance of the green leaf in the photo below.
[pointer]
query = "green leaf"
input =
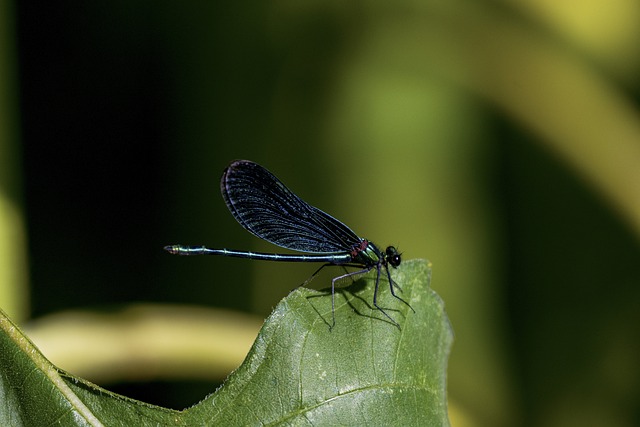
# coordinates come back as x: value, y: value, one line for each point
x: 299, y: 372
x: 33, y: 392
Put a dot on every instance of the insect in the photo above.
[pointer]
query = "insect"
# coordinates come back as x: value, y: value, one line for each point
x: 264, y: 206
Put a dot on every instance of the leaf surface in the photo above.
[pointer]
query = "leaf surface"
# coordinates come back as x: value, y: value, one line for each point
x: 298, y: 372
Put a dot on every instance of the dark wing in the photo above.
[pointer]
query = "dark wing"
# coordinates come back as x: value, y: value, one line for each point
x: 265, y: 207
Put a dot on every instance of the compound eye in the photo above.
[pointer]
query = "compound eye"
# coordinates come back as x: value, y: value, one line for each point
x: 395, y: 260
x: 393, y: 256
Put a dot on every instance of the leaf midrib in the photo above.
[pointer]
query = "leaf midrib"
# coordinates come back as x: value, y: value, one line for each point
x: 293, y: 414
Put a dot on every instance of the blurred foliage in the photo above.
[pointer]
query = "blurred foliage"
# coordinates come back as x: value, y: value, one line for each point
x: 14, y: 288
x: 499, y: 139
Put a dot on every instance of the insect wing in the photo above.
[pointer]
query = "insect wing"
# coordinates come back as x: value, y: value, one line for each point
x: 263, y: 205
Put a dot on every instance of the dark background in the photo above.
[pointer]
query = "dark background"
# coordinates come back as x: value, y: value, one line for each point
x: 129, y: 112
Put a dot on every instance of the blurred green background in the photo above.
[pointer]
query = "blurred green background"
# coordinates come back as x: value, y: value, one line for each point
x: 498, y: 139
